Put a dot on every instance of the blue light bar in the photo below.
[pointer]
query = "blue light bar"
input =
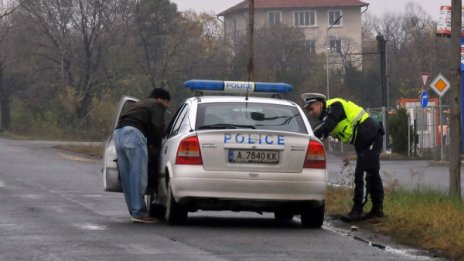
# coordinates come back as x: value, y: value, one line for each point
x: 238, y: 87
x: 274, y: 87
x: 205, y: 85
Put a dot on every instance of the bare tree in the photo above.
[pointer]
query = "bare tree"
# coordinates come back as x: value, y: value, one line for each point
x: 5, y: 60
x: 73, y: 37
x: 284, y: 55
x: 155, y: 21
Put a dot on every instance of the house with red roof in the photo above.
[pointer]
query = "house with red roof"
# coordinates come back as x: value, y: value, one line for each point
x: 328, y: 25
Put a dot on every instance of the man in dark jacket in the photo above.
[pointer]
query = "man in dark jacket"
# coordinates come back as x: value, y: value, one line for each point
x: 348, y: 122
x: 139, y: 130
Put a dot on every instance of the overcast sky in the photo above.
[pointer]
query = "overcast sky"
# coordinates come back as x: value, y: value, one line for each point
x: 376, y: 7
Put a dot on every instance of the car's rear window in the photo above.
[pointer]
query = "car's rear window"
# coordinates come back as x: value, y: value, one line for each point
x: 261, y: 116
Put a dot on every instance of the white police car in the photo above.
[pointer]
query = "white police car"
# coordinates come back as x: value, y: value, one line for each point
x: 240, y: 153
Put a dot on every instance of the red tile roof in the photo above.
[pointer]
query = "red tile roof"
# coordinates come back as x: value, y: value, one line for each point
x: 262, y: 4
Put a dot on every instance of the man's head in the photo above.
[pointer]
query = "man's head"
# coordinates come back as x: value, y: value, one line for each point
x: 314, y: 103
x: 161, y: 95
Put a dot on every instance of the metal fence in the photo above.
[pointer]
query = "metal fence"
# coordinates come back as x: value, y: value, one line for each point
x: 428, y: 130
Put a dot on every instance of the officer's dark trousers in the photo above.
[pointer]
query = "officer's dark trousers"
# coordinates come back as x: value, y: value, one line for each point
x: 368, y: 163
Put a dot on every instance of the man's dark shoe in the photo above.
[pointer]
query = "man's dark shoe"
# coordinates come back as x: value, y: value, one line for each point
x: 356, y: 214
x: 146, y: 220
x: 376, y: 212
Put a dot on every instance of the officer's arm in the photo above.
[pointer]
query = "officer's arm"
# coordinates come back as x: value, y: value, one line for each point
x: 334, y: 114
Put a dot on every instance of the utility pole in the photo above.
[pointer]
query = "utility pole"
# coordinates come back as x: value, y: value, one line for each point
x: 455, y: 102
x: 251, y: 27
x: 382, y: 48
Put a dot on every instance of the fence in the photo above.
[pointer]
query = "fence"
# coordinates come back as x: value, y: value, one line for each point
x: 425, y: 135
x: 429, y: 131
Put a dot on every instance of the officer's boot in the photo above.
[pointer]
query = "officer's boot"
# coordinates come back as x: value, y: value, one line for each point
x: 376, y: 211
x: 355, y: 213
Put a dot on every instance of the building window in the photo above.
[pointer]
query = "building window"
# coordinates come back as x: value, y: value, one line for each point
x: 304, y: 18
x: 335, y: 18
x: 336, y: 46
x: 274, y: 18
x: 311, y: 46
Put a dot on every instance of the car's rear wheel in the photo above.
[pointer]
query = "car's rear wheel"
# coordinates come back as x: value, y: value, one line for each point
x: 283, y: 217
x: 313, y: 217
x: 176, y: 214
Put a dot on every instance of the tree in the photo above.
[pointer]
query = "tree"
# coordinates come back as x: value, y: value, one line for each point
x: 73, y: 37
x: 155, y: 21
x: 398, y: 129
x: 6, y: 90
x: 284, y: 56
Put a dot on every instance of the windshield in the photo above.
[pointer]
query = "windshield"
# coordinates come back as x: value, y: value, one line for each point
x: 261, y: 116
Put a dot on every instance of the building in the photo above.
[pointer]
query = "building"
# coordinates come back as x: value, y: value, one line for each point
x: 334, y: 24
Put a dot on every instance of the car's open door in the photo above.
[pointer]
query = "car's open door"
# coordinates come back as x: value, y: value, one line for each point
x: 111, y: 180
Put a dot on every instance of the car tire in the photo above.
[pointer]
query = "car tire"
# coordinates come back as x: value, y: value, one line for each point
x: 175, y: 213
x: 283, y: 217
x: 313, y: 217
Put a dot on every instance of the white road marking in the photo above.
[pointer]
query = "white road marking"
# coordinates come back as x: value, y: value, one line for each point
x: 403, y: 252
x: 93, y: 195
x: 93, y: 227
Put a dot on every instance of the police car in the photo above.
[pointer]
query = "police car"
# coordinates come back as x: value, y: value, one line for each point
x: 237, y: 151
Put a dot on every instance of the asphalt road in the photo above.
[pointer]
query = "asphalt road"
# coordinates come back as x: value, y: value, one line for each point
x: 409, y: 174
x: 53, y: 208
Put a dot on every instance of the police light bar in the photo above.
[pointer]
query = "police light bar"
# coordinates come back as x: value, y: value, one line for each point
x: 238, y: 87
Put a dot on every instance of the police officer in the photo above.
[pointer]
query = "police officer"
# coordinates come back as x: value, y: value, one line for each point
x: 348, y: 122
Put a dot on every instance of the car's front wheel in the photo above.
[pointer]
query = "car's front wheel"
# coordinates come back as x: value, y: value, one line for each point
x: 176, y: 214
x: 313, y: 217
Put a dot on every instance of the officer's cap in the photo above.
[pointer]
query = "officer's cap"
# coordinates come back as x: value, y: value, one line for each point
x: 311, y: 97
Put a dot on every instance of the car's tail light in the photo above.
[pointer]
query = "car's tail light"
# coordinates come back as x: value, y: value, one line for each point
x: 189, y: 152
x: 315, y: 156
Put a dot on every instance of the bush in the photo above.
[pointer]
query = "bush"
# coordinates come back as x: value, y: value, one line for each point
x: 398, y: 129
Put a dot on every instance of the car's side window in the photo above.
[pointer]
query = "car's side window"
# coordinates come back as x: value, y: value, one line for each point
x: 168, y: 129
x: 180, y: 121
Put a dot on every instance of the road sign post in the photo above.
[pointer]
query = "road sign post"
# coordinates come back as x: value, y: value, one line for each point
x: 440, y: 85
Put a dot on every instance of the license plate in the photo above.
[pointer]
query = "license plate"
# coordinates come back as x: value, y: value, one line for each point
x: 254, y: 156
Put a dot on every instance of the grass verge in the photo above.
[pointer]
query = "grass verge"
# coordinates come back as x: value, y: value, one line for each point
x: 422, y: 218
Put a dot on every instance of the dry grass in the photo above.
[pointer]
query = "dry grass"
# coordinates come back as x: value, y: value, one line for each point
x: 427, y: 219
x: 424, y: 219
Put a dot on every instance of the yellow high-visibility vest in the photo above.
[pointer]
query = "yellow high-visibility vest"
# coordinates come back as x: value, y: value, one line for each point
x: 354, y: 115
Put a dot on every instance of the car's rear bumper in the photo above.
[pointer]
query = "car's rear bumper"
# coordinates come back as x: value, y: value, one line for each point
x: 248, y: 189
x: 194, y: 182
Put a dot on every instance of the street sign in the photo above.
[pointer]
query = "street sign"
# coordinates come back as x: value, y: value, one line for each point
x: 424, y: 98
x: 424, y: 76
x: 440, y: 85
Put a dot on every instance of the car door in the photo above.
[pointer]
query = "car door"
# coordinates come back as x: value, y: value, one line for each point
x: 111, y: 180
x: 178, y: 125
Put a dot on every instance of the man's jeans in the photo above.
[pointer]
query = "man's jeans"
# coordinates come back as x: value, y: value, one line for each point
x: 131, y: 149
